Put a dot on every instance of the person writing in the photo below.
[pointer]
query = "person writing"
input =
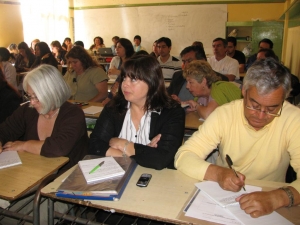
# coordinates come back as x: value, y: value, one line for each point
x: 261, y: 135
x: 88, y: 82
x: 203, y: 83
x: 48, y: 125
x: 142, y: 121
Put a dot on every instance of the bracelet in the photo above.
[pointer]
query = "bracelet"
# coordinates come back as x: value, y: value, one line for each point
x: 289, y: 194
x: 124, y: 149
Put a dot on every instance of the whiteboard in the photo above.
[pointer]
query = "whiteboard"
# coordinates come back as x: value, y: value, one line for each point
x: 183, y: 24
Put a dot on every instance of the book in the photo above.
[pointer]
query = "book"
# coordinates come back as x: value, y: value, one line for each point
x: 92, y: 110
x: 95, y: 170
x: 75, y: 186
x: 9, y: 158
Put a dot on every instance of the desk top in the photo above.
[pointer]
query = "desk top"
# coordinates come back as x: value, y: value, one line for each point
x: 18, y: 180
x: 163, y: 199
x: 192, y: 121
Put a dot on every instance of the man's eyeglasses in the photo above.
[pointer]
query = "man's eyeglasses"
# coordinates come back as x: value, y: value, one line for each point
x: 31, y: 98
x: 187, y: 61
x: 270, y: 113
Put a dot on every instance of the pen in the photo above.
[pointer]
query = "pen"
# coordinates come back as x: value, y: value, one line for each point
x: 230, y: 163
x: 24, y: 103
x: 96, y: 167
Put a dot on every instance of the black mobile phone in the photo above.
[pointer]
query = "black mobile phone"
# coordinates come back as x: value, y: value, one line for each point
x: 144, y: 180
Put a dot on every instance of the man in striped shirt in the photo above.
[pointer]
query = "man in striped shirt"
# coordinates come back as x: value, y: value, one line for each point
x: 169, y: 64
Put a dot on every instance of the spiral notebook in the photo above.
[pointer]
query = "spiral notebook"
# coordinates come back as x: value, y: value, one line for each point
x: 9, y: 158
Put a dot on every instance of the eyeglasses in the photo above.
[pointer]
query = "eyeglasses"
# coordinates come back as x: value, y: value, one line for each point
x: 270, y: 113
x: 31, y: 98
x: 187, y: 61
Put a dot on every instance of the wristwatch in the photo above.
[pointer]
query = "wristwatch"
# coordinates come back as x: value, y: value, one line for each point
x: 289, y: 194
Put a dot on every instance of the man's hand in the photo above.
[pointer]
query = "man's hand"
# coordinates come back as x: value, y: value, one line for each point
x: 257, y: 204
x: 225, y: 177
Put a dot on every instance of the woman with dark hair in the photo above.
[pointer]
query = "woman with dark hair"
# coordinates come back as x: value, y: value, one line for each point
x: 10, y: 99
x: 25, y: 58
x: 88, y: 82
x: 67, y: 44
x: 58, y: 52
x: 9, y: 71
x: 98, y: 43
x: 124, y: 51
x: 44, y: 55
x: 154, y: 52
x: 142, y: 121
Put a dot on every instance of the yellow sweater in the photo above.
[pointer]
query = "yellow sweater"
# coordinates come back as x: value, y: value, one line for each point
x: 260, y: 155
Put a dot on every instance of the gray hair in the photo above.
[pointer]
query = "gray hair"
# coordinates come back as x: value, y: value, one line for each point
x: 199, y: 69
x: 49, y: 87
x: 267, y: 75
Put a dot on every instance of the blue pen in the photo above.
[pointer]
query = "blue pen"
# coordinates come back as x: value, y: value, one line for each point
x: 96, y: 167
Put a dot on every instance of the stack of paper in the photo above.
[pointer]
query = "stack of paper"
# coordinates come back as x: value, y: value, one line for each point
x: 75, y: 186
x: 100, y: 169
x: 214, y: 204
x: 9, y: 158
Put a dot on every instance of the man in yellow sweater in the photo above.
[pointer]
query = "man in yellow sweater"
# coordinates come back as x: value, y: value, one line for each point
x: 261, y: 135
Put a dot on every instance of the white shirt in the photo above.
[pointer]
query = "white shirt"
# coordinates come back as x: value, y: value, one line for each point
x: 227, y: 65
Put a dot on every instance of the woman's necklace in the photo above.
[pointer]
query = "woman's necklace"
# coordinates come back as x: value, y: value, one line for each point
x: 50, y: 117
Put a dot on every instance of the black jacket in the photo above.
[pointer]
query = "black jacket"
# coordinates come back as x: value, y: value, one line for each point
x: 170, y: 124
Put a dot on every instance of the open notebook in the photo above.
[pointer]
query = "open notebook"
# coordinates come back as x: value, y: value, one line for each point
x: 9, y: 158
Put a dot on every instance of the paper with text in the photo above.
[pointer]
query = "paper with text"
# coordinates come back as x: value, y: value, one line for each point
x: 204, y: 208
x: 110, y: 168
x: 9, y: 158
x: 220, y: 196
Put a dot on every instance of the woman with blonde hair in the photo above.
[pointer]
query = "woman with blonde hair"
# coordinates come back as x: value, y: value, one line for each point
x: 204, y: 84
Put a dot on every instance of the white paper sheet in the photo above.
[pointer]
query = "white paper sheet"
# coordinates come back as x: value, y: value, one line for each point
x: 9, y: 158
x: 220, y: 196
x: 93, y: 110
x: 206, y: 209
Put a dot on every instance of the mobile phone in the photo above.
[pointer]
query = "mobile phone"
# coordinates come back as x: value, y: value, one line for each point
x: 144, y: 180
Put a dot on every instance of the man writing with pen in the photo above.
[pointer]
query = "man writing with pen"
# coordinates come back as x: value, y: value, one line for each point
x: 260, y: 133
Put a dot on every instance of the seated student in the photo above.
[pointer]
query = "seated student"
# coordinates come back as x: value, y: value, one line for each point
x: 48, y: 125
x: 25, y: 59
x: 261, y: 135
x: 98, y: 43
x: 203, y: 83
x: 79, y: 43
x: 115, y: 39
x: 7, y: 68
x: 169, y: 64
x: 10, y: 99
x: 141, y: 121
x: 13, y: 49
x: 177, y: 88
x: 87, y: 81
x: 32, y: 45
x: 137, y: 43
x: 154, y: 52
x: 44, y: 55
x: 58, y: 52
x: 67, y: 44
x: 124, y: 51
x: 266, y: 53
x: 235, y: 54
x: 198, y: 43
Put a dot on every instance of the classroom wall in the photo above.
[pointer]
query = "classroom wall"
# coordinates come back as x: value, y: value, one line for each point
x: 250, y: 12
x: 11, y: 25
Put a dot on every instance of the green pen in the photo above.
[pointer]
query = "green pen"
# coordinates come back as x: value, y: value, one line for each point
x: 96, y: 167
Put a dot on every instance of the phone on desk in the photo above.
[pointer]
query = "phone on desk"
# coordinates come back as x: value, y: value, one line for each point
x: 144, y: 180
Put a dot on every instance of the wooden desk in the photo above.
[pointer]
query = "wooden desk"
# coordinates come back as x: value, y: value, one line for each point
x: 19, y: 180
x: 163, y: 199
x: 192, y: 121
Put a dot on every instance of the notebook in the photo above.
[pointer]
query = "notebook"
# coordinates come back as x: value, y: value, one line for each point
x: 9, y: 158
x: 75, y: 186
x: 95, y: 170
x: 105, y: 52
